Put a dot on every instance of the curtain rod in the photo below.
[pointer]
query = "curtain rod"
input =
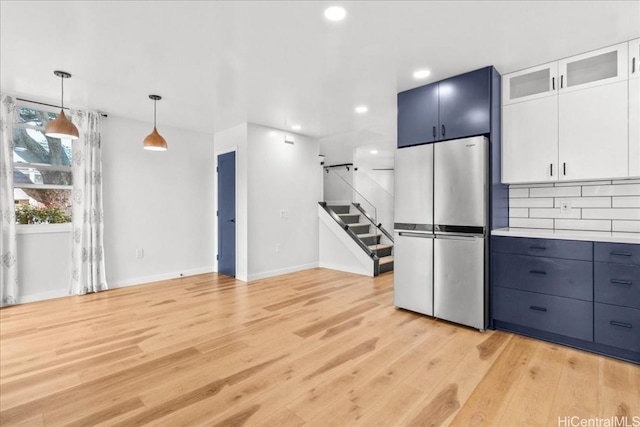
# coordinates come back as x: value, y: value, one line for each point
x: 51, y: 105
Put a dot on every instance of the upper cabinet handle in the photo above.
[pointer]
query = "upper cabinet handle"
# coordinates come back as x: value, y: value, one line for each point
x: 633, y: 65
x: 561, y: 81
x: 551, y: 168
x: 553, y: 83
x: 434, y: 131
x: 443, y: 130
x: 564, y: 168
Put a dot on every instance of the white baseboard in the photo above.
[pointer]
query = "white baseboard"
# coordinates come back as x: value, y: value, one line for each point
x: 347, y: 269
x: 41, y: 296
x: 272, y: 273
x: 158, y: 277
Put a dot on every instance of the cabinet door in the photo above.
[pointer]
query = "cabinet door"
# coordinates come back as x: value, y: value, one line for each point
x: 465, y: 105
x: 595, y: 68
x: 418, y: 115
x: 593, y: 133
x: 532, y: 83
x: 634, y: 59
x: 530, y: 141
x: 634, y: 127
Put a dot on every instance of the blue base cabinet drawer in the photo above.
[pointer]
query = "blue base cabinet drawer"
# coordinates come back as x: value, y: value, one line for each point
x: 617, y: 326
x: 617, y: 284
x: 553, y: 276
x: 559, y: 315
x: 623, y: 253
x: 567, y: 249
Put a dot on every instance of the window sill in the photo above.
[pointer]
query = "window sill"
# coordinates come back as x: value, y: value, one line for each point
x: 43, y: 228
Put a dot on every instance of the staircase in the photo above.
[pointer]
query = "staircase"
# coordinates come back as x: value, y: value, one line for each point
x: 361, y: 227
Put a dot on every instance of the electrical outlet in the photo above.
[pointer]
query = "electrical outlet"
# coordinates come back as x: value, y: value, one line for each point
x: 139, y: 253
x: 284, y: 213
x: 565, y: 207
x: 278, y: 247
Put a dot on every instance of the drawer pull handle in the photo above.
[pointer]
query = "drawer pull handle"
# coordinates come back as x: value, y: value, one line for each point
x: 536, y: 308
x: 621, y: 324
x: 621, y: 282
x: 538, y: 272
x: 620, y: 253
x: 538, y: 248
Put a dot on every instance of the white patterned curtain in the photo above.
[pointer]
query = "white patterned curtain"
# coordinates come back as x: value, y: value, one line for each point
x: 88, y: 274
x: 8, y: 254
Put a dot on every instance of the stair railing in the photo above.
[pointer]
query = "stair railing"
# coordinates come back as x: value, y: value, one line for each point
x: 358, y: 198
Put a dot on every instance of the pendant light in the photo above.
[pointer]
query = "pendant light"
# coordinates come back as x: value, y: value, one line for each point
x: 154, y: 141
x: 61, y: 127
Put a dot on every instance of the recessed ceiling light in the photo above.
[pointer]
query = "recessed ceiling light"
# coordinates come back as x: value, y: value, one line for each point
x: 361, y: 109
x: 296, y: 127
x: 335, y: 13
x: 421, y: 74
x: 374, y: 151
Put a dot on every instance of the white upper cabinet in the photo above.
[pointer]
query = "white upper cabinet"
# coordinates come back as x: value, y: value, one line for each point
x: 634, y: 108
x: 599, y: 67
x: 530, y: 141
x: 532, y: 83
x: 574, y: 119
x: 593, y: 133
x: 634, y: 59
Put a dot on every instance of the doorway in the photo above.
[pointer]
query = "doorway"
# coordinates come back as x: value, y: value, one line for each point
x: 226, y: 169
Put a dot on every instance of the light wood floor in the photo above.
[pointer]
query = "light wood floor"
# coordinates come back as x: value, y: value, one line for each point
x: 318, y: 347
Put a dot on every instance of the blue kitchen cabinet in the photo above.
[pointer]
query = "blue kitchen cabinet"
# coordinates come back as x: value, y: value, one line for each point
x: 457, y: 107
x: 577, y: 293
x: 418, y: 115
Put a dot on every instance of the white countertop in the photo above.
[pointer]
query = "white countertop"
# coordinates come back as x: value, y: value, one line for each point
x: 593, y: 236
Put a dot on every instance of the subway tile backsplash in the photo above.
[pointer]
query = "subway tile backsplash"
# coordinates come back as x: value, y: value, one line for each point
x: 593, y: 206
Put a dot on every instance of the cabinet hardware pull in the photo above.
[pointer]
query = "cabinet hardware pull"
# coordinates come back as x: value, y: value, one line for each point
x: 434, y: 132
x: 536, y: 308
x: 551, y: 168
x: 633, y: 65
x: 538, y: 272
x: 553, y: 83
x: 620, y: 253
x: 539, y: 248
x: 561, y: 81
x: 621, y: 282
x: 564, y: 168
x: 443, y: 130
x: 622, y: 324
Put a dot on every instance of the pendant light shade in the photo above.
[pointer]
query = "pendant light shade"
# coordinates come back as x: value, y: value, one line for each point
x: 154, y: 141
x: 61, y: 127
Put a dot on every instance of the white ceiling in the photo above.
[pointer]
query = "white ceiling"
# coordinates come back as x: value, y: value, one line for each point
x: 278, y: 63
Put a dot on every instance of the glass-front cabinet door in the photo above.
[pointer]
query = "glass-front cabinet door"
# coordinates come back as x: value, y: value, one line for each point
x: 532, y: 83
x: 602, y: 66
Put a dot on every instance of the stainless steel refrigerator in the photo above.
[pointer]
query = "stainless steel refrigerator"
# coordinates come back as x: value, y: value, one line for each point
x: 441, y: 223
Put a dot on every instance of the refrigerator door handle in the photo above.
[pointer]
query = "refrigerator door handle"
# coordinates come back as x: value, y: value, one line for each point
x: 458, y: 236
x: 414, y: 234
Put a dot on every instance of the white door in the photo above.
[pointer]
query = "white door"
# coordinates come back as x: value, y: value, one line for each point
x: 413, y: 272
x: 530, y: 141
x: 594, y: 133
x: 599, y: 67
x: 532, y: 83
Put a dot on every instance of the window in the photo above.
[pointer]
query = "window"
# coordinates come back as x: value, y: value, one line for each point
x: 42, y: 176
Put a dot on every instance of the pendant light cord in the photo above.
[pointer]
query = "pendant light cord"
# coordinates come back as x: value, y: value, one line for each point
x: 155, y: 101
x: 62, y: 85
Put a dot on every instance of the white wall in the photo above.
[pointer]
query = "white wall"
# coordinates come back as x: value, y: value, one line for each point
x: 161, y: 202
x: 225, y: 141
x: 281, y: 177
x: 44, y: 267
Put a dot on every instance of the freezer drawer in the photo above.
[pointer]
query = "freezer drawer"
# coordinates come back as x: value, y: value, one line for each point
x: 458, y: 280
x: 414, y: 185
x: 413, y: 272
x: 460, y: 182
